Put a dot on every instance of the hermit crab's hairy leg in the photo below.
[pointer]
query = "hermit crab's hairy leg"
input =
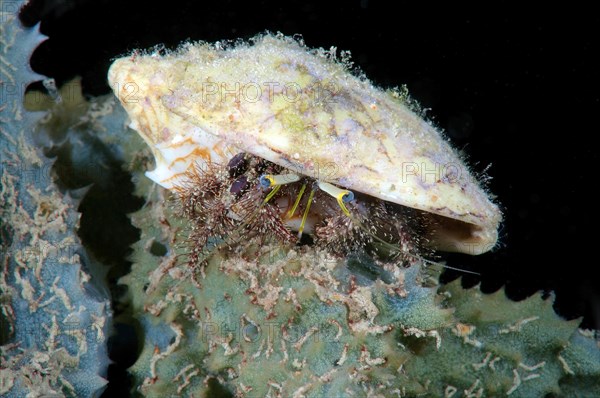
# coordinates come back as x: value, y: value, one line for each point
x: 412, y: 234
x: 340, y: 232
x: 379, y: 217
x: 200, y: 183
x: 260, y: 218
x: 200, y: 199
x: 384, y: 227
x: 201, y: 180
x: 256, y: 217
x: 205, y: 197
x: 374, y: 222
x: 226, y: 202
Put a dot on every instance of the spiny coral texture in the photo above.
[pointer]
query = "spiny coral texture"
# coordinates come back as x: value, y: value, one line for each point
x: 505, y: 348
x: 275, y: 321
x: 52, y: 327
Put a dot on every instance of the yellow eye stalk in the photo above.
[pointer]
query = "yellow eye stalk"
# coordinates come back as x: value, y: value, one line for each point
x: 276, y: 181
x: 342, y: 195
x: 269, y: 181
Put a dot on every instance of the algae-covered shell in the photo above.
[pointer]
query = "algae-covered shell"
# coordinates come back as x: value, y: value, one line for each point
x: 301, y: 109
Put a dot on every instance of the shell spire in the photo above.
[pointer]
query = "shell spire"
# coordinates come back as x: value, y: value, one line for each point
x: 302, y: 110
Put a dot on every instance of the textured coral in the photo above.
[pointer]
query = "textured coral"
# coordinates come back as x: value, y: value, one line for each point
x: 253, y: 319
x: 53, y: 321
x: 279, y: 322
x: 499, y: 347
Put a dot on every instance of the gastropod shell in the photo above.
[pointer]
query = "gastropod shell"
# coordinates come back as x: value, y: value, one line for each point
x: 315, y: 124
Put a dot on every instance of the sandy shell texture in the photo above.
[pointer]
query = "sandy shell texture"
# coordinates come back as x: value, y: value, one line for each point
x: 303, y: 110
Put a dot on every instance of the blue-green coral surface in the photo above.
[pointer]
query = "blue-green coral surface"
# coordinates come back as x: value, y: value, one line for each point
x: 268, y: 321
x: 54, y: 322
x: 281, y: 322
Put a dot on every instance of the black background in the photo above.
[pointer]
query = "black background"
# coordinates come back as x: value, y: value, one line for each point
x: 514, y: 88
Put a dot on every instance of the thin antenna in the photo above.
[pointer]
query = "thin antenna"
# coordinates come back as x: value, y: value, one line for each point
x: 447, y: 266
x: 396, y: 248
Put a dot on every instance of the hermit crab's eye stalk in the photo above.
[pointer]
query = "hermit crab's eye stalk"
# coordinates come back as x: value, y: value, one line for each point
x: 341, y: 195
x: 269, y: 181
x: 275, y: 182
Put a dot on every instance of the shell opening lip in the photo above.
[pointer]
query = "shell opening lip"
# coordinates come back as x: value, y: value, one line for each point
x: 452, y: 235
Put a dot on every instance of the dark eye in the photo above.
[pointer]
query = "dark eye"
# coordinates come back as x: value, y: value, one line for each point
x: 239, y: 185
x: 238, y: 164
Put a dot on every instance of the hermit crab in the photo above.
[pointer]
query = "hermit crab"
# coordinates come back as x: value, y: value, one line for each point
x: 269, y: 137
